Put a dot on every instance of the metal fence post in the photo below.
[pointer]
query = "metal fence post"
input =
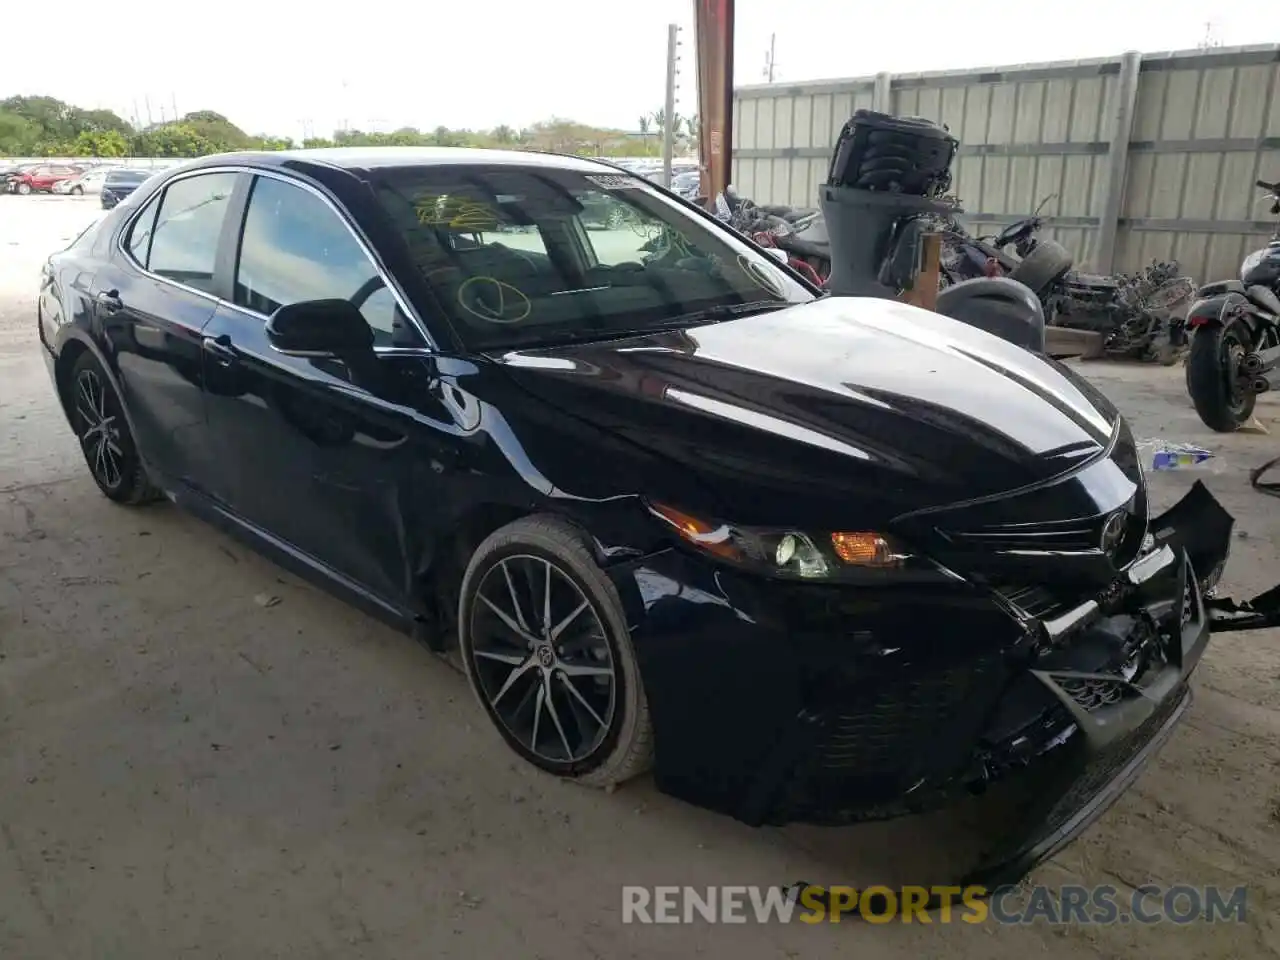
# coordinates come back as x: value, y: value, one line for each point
x: 882, y: 95
x: 1126, y: 98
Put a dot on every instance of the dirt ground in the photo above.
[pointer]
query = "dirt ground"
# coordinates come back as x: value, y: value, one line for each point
x: 185, y: 772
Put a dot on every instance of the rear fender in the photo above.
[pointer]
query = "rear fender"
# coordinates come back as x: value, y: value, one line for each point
x: 1219, y: 309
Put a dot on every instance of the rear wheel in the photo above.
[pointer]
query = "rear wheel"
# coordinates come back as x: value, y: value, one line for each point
x: 77, y: 191
x: 1213, y: 375
x: 548, y: 654
x: 97, y: 416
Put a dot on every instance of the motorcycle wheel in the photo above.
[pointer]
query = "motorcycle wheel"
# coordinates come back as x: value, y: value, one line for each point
x: 1216, y: 353
x: 1048, y: 262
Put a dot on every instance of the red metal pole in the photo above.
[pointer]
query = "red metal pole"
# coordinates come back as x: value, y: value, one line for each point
x: 713, y: 27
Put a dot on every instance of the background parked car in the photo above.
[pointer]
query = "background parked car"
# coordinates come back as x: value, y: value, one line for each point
x: 9, y: 175
x: 41, y: 179
x: 90, y: 181
x: 121, y: 182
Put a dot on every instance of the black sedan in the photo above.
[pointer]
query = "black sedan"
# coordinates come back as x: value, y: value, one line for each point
x: 810, y: 558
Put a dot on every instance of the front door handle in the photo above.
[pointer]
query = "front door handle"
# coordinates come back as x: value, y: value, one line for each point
x: 110, y: 302
x: 220, y: 349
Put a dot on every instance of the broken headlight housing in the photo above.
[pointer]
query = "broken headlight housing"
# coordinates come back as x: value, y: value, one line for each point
x: 804, y: 555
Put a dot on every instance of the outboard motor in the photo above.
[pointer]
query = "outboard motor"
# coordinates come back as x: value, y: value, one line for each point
x: 888, y: 177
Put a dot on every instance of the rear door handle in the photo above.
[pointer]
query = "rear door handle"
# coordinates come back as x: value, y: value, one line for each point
x: 109, y: 301
x: 220, y: 349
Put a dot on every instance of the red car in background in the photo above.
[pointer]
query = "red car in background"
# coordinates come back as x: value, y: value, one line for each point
x: 42, y: 178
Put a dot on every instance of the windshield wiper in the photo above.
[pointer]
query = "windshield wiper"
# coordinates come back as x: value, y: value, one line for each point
x: 714, y: 314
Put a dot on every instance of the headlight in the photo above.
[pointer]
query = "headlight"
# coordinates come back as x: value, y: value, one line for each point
x: 841, y: 555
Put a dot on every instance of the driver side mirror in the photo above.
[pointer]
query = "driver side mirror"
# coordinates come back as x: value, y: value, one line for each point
x: 319, y: 328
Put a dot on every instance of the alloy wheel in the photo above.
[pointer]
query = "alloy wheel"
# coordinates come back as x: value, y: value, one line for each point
x: 99, y: 430
x: 1233, y: 352
x: 542, y: 659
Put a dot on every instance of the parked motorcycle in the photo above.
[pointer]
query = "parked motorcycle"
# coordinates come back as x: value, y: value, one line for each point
x: 1140, y: 315
x: 1235, y: 335
x: 799, y: 233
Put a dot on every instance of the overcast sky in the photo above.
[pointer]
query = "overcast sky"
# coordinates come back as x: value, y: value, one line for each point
x: 291, y: 69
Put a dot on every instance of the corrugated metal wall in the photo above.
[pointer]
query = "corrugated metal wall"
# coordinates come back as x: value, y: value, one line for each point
x: 1150, y: 157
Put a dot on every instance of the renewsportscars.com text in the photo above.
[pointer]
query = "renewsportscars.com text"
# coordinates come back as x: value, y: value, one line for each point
x: 1068, y: 904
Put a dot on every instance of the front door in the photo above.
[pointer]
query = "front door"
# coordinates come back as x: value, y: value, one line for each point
x: 317, y: 452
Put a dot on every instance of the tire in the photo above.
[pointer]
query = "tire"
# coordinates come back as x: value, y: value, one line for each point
x: 23, y: 188
x: 1207, y: 379
x: 1048, y: 262
x: 77, y: 191
x: 112, y: 459
x: 514, y: 670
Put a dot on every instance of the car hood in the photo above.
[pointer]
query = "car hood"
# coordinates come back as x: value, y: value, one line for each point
x: 849, y: 409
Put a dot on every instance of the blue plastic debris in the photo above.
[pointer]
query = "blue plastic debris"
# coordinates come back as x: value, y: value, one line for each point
x: 1176, y: 456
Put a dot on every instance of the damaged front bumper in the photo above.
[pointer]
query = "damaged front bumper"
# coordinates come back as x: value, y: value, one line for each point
x: 1121, y: 720
x: 779, y: 703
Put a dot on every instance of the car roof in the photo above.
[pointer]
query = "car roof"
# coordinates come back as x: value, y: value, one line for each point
x: 374, y: 158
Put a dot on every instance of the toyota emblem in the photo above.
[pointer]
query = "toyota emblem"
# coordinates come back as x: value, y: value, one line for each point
x: 1113, y: 532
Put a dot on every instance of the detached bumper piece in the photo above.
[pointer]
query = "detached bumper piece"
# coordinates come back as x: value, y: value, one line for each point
x: 1121, y: 720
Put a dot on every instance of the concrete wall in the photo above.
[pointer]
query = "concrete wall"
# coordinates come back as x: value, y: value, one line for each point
x: 1151, y: 156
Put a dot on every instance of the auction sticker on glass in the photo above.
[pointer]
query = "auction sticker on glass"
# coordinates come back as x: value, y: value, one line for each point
x: 615, y: 182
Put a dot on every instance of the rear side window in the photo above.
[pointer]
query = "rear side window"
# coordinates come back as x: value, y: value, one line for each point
x: 184, y: 237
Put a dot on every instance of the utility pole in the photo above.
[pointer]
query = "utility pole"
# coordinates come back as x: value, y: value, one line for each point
x: 669, y: 107
x: 769, y: 58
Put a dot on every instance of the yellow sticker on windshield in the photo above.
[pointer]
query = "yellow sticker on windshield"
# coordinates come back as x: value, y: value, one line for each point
x: 454, y: 212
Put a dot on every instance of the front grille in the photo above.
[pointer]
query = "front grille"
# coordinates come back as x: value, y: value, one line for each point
x: 884, y: 739
x: 1074, y: 536
x: 1093, y: 694
x: 1036, y: 601
x: 897, y: 720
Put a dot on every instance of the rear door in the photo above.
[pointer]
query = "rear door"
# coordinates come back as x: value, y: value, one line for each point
x: 152, y: 302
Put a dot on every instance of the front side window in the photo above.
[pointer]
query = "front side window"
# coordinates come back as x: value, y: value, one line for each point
x: 295, y: 247
x: 522, y: 256
x: 184, y: 240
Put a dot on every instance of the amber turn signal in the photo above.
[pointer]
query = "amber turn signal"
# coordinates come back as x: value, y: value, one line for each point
x: 865, y: 549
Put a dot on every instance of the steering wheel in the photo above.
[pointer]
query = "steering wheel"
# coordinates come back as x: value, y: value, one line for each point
x: 1015, y: 232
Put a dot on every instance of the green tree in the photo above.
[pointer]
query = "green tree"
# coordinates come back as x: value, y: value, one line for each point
x: 47, y: 126
x: 173, y: 140
x: 18, y: 135
x: 217, y: 130
x: 103, y: 143
x: 265, y: 142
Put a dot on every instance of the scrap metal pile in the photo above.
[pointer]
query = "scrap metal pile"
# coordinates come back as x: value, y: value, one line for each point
x: 1140, y: 316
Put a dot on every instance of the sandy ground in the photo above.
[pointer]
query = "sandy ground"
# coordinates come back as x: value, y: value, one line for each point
x: 187, y: 773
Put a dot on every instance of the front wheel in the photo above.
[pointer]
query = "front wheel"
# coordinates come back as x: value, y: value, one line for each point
x: 77, y: 191
x: 1218, y: 391
x: 548, y: 654
x: 24, y: 188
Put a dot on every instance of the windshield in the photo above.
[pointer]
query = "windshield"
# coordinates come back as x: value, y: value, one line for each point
x: 522, y: 256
